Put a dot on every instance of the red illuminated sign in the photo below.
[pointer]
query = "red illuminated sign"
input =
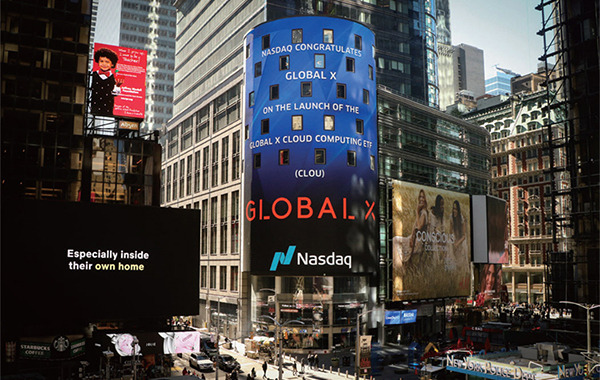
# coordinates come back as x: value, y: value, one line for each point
x: 118, y: 86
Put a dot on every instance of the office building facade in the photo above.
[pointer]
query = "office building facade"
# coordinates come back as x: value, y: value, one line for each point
x: 461, y: 68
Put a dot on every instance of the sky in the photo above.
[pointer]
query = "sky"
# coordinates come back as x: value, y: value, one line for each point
x: 504, y: 29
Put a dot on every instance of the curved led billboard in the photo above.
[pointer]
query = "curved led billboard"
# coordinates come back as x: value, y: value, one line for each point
x: 432, y: 242
x: 310, y: 175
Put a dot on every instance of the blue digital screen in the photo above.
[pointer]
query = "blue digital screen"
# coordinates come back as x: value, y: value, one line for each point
x: 310, y: 154
x: 400, y: 317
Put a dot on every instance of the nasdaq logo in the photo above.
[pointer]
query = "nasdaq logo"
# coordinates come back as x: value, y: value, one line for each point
x: 284, y: 259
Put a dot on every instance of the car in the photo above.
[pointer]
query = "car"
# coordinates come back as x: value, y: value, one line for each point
x: 227, y: 363
x: 208, y: 347
x: 201, y: 361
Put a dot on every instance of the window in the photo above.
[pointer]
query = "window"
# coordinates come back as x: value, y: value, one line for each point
x: 320, y: 156
x: 175, y: 171
x: 264, y: 126
x: 266, y: 41
x: 284, y: 62
x: 284, y: 157
x: 351, y: 158
x: 357, y: 42
x: 215, y: 165
x: 306, y: 89
x: 225, y: 160
x: 257, y: 69
x: 274, y: 92
x: 297, y: 123
x: 247, y: 51
x: 222, y: 278
x: 257, y: 160
x: 340, y: 91
x: 350, y: 64
x: 203, y: 276
x: 235, y: 154
x: 370, y: 72
x: 213, y: 277
x: 251, y: 99
x: 328, y: 36
x: 329, y: 122
x: 296, y: 36
x: 360, y: 126
x: 319, y: 61
x: 233, y: 282
x: 365, y: 96
x: 372, y: 163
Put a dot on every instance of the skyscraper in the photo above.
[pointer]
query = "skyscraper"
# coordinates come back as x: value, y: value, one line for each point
x: 569, y: 30
x: 500, y: 83
x: 461, y: 68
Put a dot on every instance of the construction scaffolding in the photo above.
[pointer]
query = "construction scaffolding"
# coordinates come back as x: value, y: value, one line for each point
x: 570, y: 35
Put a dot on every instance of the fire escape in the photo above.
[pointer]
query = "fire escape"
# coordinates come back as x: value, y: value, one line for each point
x: 570, y: 35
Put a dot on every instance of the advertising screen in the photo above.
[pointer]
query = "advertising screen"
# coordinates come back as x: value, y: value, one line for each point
x: 74, y: 261
x: 118, y: 82
x: 400, y: 317
x: 170, y: 342
x: 490, y: 230
x: 431, y: 242
x: 489, y: 285
x: 310, y: 180
x: 498, y: 230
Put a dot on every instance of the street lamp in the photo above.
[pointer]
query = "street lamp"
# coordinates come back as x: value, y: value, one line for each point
x: 134, y: 343
x: 280, y: 335
x: 589, y: 334
x: 274, y: 297
x: 218, y: 335
x: 356, y: 364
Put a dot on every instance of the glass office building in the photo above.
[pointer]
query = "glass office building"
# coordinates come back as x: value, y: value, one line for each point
x: 499, y: 84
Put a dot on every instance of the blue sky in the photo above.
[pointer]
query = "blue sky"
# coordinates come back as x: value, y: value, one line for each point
x: 504, y: 29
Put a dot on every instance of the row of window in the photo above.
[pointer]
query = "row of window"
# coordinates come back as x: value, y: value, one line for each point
x: 318, y: 63
x: 306, y: 91
x: 178, y: 179
x: 298, y: 124
x: 298, y: 38
x: 320, y: 158
x: 220, y: 225
x: 210, y: 281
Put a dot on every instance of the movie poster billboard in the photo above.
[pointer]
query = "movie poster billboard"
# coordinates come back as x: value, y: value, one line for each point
x: 431, y: 242
x: 118, y: 82
x: 489, y: 284
x: 497, y: 230
x: 310, y: 175
x: 491, y: 230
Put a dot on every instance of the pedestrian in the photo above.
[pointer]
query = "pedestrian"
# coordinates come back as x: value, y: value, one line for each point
x: 253, y: 373
x: 202, y: 377
x: 295, y: 368
x: 316, y: 358
x: 264, y: 367
x: 302, y: 365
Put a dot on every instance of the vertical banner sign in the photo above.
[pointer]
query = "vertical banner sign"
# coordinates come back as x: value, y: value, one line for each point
x: 310, y: 176
x: 365, y: 354
x: 118, y: 84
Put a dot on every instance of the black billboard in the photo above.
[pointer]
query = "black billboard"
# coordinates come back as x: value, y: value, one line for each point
x: 72, y: 261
